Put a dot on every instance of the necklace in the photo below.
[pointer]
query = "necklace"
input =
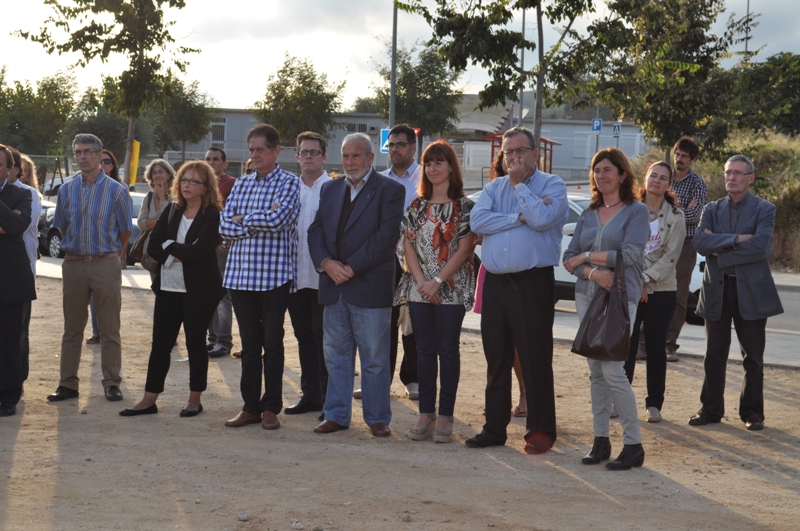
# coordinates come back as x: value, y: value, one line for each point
x: 615, y: 204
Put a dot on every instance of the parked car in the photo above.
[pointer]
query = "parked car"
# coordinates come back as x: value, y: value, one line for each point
x: 50, y: 237
x: 565, y: 282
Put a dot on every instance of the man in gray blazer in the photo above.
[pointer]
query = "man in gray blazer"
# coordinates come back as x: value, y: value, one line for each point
x: 352, y: 242
x: 735, y: 236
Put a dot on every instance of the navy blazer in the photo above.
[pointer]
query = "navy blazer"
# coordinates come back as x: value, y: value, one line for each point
x: 16, y: 276
x: 758, y: 297
x: 368, y: 243
x: 198, y: 255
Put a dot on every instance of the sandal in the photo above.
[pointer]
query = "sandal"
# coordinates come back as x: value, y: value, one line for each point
x: 522, y: 409
x: 444, y: 436
x: 417, y: 434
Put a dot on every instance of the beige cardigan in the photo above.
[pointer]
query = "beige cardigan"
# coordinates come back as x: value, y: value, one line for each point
x: 660, y: 264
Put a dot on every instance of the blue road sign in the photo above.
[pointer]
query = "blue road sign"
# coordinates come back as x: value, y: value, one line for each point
x: 597, y: 125
x: 617, y: 130
x: 384, y: 140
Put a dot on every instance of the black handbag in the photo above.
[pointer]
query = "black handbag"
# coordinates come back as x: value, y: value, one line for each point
x: 605, y: 331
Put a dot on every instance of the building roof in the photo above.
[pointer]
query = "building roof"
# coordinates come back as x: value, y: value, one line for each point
x: 473, y: 119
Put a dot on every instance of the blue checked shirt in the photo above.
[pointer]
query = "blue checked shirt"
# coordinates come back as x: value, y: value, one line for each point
x: 263, y: 253
x: 93, y: 215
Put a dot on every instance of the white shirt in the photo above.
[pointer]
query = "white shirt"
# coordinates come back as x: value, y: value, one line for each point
x: 307, y: 275
x: 171, y: 272
x: 409, y: 180
x: 31, y: 234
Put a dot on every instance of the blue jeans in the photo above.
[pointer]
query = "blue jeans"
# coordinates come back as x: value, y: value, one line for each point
x: 347, y: 327
x: 219, y: 331
x: 437, y: 330
x: 95, y: 328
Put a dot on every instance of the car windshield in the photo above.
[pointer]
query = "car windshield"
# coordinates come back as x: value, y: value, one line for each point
x: 583, y: 203
x: 137, y: 205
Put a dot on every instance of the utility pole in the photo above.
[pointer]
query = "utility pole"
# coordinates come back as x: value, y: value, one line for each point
x: 522, y: 67
x: 393, y: 88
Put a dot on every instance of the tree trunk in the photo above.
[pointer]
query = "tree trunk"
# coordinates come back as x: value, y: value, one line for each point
x: 129, y: 152
x: 540, y: 78
x: 183, y: 150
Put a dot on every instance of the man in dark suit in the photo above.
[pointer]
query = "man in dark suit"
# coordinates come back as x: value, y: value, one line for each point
x: 352, y: 242
x: 16, y: 279
x: 735, y: 236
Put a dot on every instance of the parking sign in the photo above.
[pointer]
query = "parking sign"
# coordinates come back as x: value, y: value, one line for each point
x: 597, y: 125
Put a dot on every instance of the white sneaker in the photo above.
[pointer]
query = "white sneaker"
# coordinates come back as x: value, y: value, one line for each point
x: 357, y: 393
x: 412, y: 391
x: 672, y: 354
x: 653, y: 414
x: 614, y: 413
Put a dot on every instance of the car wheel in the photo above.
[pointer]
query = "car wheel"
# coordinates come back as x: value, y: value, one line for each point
x: 54, y: 245
x: 691, y: 306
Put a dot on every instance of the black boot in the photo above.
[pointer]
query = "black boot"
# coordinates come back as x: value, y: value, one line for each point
x: 632, y: 455
x: 601, y: 450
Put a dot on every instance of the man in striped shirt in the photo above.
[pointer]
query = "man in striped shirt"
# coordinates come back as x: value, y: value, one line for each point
x: 260, y: 220
x: 94, y: 215
x: 692, y: 192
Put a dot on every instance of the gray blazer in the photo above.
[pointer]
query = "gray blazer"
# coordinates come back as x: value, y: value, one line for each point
x: 758, y: 297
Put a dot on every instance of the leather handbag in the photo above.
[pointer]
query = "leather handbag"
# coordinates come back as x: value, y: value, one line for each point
x: 605, y: 331
x: 139, y: 247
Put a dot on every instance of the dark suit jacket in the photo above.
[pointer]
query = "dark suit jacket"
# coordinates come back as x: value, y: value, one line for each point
x: 368, y: 243
x: 200, y: 269
x: 758, y: 297
x: 16, y: 277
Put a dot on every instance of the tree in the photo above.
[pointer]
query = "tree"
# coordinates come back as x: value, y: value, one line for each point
x: 769, y: 94
x: 135, y: 29
x: 299, y: 99
x: 185, y: 116
x: 366, y: 105
x: 425, y: 94
x: 33, y: 119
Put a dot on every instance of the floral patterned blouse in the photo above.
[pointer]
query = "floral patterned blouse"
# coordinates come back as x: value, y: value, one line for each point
x: 435, y: 230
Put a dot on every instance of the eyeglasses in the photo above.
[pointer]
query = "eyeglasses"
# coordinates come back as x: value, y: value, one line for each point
x: 398, y: 145
x: 106, y: 161
x: 159, y: 172
x: 518, y: 151
x: 81, y: 152
x: 736, y: 173
x: 192, y: 182
x: 312, y: 152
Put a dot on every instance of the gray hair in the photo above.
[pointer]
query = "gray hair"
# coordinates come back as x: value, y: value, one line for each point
x: 516, y: 131
x: 360, y: 137
x: 148, y: 176
x: 87, y: 138
x: 742, y: 158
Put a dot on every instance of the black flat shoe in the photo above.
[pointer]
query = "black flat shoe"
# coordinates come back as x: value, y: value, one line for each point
x: 601, y: 451
x: 632, y: 455
x: 482, y: 441
x: 113, y: 394
x: 62, y: 393
x: 303, y: 406
x: 7, y: 410
x: 702, y: 418
x: 134, y: 412
x: 191, y: 412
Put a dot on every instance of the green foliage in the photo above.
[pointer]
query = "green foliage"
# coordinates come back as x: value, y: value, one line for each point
x: 298, y: 99
x: 185, y: 116
x: 425, y: 92
x: 369, y: 105
x: 769, y: 94
x: 33, y: 119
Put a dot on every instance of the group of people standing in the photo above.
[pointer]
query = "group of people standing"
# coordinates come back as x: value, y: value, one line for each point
x: 341, y: 255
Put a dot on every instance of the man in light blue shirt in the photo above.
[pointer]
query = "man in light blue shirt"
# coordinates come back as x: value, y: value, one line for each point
x: 520, y: 217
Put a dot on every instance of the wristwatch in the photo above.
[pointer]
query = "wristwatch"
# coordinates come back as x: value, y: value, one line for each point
x: 586, y: 256
x: 646, y: 277
x: 438, y: 280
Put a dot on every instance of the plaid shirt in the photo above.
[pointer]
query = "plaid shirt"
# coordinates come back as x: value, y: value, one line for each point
x: 263, y: 253
x: 691, y: 187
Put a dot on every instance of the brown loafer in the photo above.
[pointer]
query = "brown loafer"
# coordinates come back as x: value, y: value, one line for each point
x: 270, y: 421
x: 329, y: 426
x: 380, y: 429
x: 242, y: 419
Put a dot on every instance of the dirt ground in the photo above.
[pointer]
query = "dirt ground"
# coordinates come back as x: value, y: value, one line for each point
x: 79, y: 465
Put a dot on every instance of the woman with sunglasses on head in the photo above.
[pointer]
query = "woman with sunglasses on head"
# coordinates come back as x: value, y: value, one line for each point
x: 160, y: 175
x: 188, y: 285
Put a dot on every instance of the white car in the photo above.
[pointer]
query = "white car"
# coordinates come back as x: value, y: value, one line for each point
x: 565, y: 282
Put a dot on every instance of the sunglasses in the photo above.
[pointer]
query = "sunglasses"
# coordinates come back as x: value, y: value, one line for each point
x: 106, y: 161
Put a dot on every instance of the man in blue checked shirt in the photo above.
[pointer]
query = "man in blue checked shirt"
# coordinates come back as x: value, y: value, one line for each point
x: 95, y: 219
x: 260, y: 220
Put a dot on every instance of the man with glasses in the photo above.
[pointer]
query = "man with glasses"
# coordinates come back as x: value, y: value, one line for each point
x: 304, y: 307
x: 735, y: 236
x: 520, y: 217
x: 691, y: 191
x: 93, y: 213
x: 260, y: 219
x: 402, y: 146
x: 220, y: 339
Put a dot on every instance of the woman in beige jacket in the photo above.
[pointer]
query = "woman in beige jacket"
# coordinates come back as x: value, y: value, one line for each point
x: 658, y: 299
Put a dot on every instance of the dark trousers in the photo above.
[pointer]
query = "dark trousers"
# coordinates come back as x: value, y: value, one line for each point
x: 408, y: 368
x: 260, y: 315
x: 170, y: 311
x: 655, y: 314
x: 518, y: 311
x: 683, y: 272
x: 752, y: 339
x: 438, y: 331
x: 306, y: 313
x: 10, y: 362
x: 24, y: 340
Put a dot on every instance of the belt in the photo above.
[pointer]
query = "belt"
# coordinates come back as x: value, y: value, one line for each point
x: 519, y: 275
x: 87, y: 257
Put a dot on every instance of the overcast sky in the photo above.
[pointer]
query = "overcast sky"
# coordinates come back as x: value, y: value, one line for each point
x: 243, y: 41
